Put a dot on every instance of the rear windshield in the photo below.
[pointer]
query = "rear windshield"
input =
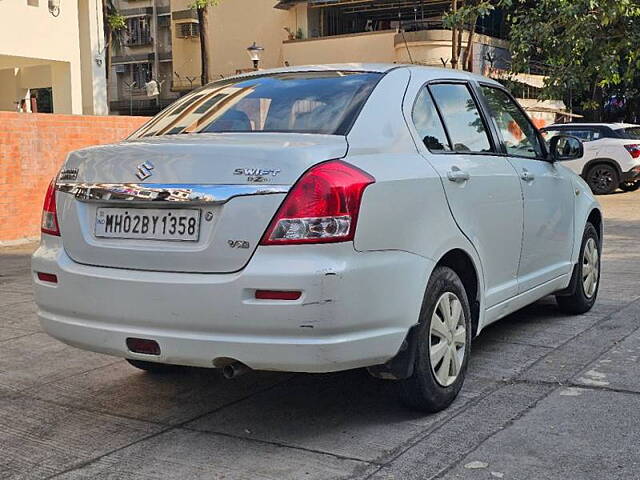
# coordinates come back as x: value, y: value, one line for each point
x: 300, y: 102
x: 632, y: 133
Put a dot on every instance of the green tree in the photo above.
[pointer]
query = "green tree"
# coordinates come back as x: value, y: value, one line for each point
x: 464, y: 15
x: 115, y: 26
x: 590, y: 48
x: 202, y: 8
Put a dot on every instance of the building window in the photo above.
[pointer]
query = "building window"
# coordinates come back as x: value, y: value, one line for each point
x: 141, y: 74
x: 188, y: 30
x: 139, y: 31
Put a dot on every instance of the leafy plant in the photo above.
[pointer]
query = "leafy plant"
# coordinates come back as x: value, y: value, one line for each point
x: 590, y: 48
x: 465, y: 15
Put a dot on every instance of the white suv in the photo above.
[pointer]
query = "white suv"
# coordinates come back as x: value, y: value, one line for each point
x: 611, y: 154
x: 316, y: 219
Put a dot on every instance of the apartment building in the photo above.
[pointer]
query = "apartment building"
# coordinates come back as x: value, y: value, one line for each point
x: 144, y: 56
x: 52, y: 56
x: 233, y: 25
x: 298, y: 32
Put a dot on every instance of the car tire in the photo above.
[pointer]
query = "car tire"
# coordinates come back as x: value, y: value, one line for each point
x: 603, y: 179
x: 432, y: 388
x: 153, y: 367
x: 630, y: 186
x: 585, y: 293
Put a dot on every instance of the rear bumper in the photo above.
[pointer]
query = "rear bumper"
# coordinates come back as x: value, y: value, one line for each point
x: 632, y: 175
x: 355, y: 309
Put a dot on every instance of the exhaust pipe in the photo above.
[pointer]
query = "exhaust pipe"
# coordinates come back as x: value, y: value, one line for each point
x: 234, y: 370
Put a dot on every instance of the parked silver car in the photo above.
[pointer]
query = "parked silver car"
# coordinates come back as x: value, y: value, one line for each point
x: 316, y: 219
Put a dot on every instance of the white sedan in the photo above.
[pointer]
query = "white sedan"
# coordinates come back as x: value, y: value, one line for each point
x: 317, y: 219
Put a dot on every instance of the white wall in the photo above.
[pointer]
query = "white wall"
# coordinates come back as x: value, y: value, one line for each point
x: 32, y: 36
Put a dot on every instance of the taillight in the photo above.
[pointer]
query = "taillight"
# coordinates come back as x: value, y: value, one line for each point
x: 634, y: 150
x: 49, y: 223
x: 321, y: 207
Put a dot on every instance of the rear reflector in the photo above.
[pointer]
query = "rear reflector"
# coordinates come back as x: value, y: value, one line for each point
x: 141, y: 345
x: 47, y: 277
x: 278, y: 294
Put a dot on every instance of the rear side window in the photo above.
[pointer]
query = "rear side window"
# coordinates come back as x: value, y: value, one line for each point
x: 518, y: 133
x: 428, y: 125
x: 461, y: 117
x: 631, y: 133
x: 586, y: 135
x: 300, y: 102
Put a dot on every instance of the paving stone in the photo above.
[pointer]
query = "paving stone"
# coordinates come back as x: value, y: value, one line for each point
x: 348, y: 414
x: 189, y: 455
x: 8, y: 298
x: 40, y: 439
x: 17, y: 285
x: 562, y: 364
x: 448, y: 445
x: 502, y: 360
x: 9, y: 333
x: 579, y: 436
x: 36, y: 359
x: 171, y: 398
x: 617, y: 368
x: 540, y: 324
x: 20, y: 316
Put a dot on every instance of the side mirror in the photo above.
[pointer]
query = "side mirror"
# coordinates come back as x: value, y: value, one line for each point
x: 565, y: 147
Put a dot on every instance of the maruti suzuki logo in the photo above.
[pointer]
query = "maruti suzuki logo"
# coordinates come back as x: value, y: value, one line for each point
x: 144, y: 170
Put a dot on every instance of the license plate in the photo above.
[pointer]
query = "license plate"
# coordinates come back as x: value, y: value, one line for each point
x: 148, y: 223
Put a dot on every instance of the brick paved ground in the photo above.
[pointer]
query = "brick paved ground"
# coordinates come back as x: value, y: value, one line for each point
x: 548, y: 396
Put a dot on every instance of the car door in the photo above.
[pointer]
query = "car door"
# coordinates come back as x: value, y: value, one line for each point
x: 482, y: 188
x: 547, y: 191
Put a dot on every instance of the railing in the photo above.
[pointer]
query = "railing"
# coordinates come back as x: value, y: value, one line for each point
x: 139, y: 39
x: 185, y: 84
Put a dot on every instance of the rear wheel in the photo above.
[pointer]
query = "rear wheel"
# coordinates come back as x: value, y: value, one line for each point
x: 588, y: 273
x: 153, y: 367
x: 603, y: 179
x: 444, y: 339
x: 630, y: 186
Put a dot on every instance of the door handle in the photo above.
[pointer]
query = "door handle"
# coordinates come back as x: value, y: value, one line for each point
x: 527, y: 176
x: 458, y: 176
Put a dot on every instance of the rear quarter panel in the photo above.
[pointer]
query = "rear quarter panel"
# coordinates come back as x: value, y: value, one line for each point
x: 406, y: 208
x: 585, y: 203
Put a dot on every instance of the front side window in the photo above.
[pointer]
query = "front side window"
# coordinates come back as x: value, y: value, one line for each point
x: 298, y: 102
x: 461, y: 117
x: 428, y: 125
x: 518, y: 133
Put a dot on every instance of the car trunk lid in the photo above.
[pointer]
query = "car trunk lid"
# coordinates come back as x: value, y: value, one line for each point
x: 232, y: 183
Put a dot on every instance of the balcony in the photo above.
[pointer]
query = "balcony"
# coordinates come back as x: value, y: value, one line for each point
x: 355, y: 47
x: 420, y: 46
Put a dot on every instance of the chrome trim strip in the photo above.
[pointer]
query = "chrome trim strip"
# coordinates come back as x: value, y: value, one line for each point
x: 152, y: 193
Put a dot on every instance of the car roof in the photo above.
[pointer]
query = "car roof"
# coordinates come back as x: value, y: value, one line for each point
x: 436, y: 72
x: 614, y: 126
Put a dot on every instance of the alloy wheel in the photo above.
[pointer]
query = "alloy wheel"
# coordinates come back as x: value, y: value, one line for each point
x: 590, y: 268
x: 448, y: 337
x: 602, y: 179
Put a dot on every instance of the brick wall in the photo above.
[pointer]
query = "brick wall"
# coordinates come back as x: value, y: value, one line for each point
x: 32, y: 149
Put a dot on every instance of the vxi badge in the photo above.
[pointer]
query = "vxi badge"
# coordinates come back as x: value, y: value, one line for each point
x: 257, y: 175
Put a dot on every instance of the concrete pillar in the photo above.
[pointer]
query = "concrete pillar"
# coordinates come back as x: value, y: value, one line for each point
x: 66, y: 83
x: 9, y: 89
x: 92, y: 58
